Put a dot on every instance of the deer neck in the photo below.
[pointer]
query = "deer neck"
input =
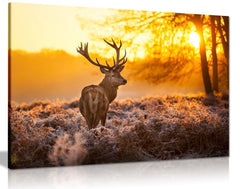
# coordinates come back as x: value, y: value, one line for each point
x: 110, y: 90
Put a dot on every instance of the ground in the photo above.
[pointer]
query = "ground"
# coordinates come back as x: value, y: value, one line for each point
x: 152, y: 128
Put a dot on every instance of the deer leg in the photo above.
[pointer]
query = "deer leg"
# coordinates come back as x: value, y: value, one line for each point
x: 89, y: 123
x: 95, y: 121
x: 103, y: 119
x: 90, y: 120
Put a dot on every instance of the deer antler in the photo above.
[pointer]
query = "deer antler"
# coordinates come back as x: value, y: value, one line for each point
x: 117, y: 63
x: 123, y: 60
x: 84, y: 51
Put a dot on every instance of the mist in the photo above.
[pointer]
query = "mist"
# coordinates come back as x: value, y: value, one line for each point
x: 55, y: 74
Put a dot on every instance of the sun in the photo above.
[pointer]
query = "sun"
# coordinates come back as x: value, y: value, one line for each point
x: 194, y: 39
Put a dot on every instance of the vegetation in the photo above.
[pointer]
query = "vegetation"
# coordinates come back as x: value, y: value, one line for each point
x: 164, y: 41
x: 152, y: 128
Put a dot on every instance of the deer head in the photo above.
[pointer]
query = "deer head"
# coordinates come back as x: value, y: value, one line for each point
x: 112, y: 73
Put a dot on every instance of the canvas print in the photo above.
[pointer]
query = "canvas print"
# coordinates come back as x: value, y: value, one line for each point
x: 94, y: 86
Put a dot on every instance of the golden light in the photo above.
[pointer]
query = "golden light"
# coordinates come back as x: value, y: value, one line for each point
x: 138, y: 49
x: 141, y: 53
x: 194, y: 39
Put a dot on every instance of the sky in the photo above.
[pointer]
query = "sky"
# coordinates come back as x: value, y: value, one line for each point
x: 34, y: 27
x: 39, y: 74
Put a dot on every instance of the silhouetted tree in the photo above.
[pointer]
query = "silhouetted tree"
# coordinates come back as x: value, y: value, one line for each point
x: 214, y: 54
x: 169, y: 55
x: 223, y: 28
x: 198, y: 21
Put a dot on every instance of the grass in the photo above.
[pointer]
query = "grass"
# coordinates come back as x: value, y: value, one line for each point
x: 152, y: 128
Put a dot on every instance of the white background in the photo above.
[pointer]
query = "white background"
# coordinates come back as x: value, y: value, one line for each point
x: 202, y: 173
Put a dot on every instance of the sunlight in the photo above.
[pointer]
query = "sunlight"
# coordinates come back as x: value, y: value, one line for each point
x: 139, y: 47
x: 141, y: 53
x: 194, y: 39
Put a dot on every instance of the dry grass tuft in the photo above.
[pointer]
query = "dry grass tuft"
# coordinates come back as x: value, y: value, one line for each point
x: 153, y: 128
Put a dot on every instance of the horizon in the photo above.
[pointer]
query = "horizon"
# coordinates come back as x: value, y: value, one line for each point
x: 72, y: 74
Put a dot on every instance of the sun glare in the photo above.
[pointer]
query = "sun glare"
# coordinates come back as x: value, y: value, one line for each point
x: 141, y: 53
x: 194, y: 39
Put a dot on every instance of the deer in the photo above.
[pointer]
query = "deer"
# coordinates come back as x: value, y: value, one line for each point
x: 95, y: 99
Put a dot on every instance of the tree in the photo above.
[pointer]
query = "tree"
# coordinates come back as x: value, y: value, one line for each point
x: 223, y: 29
x: 214, y: 54
x: 198, y: 21
x: 169, y: 55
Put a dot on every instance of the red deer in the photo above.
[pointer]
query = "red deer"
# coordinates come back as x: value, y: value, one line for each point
x: 95, y: 99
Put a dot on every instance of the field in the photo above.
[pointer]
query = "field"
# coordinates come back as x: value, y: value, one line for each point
x: 147, y: 129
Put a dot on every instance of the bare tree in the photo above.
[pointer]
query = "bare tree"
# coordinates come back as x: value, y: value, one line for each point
x: 198, y: 21
x: 169, y: 55
x: 214, y: 54
x: 223, y: 29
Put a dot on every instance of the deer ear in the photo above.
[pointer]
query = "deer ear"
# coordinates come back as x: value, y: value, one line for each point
x: 120, y: 68
x: 103, y: 70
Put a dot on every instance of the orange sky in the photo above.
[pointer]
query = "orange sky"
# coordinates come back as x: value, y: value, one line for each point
x: 60, y: 72
x: 56, y: 74
x: 34, y: 26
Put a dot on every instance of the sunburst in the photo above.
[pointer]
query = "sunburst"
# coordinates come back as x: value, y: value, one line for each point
x: 194, y: 39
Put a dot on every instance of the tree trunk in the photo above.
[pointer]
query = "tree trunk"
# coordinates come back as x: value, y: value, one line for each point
x: 204, y: 63
x: 214, y: 55
x: 226, y: 29
x: 224, y: 39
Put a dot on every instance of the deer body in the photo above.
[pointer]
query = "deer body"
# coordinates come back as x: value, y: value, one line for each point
x: 95, y: 99
x: 93, y: 105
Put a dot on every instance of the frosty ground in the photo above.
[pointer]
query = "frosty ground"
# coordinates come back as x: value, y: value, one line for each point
x: 147, y: 129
